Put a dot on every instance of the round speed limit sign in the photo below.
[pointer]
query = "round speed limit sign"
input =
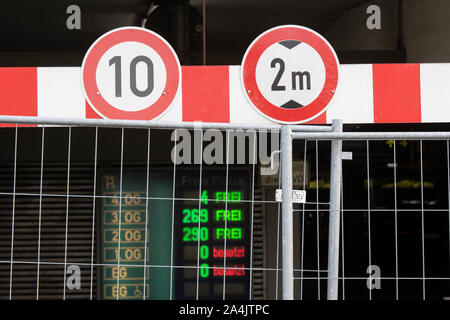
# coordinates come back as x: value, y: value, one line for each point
x: 130, y: 73
x: 290, y: 74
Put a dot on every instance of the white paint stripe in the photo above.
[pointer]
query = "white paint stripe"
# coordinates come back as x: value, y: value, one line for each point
x: 241, y: 111
x: 353, y: 101
x: 435, y: 92
x: 60, y: 95
x: 59, y: 92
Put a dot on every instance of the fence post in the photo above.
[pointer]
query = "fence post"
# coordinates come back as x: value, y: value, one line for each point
x: 287, y: 219
x: 334, y: 218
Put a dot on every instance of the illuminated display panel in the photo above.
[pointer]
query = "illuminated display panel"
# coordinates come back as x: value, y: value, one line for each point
x: 135, y: 252
x: 215, y: 198
x: 133, y: 247
x: 201, y: 233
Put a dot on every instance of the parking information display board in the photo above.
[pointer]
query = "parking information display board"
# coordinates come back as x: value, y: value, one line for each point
x: 200, y: 238
x: 136, y: 279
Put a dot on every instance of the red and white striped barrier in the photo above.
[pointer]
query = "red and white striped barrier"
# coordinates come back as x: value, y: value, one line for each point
x: 379, y: 93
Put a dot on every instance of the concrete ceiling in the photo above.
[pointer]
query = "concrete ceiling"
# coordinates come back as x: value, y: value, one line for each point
x: 40, y: 26
x: 233, y: 24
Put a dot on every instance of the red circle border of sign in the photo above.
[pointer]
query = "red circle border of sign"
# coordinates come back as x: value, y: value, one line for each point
x: 129, y: 34
x: 277, y: 34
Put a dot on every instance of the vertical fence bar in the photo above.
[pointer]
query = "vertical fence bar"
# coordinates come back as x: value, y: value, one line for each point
x: 174, y: 160
x: 335, y: 203
x: 93, y: 213
x: 226, y: 218
x: 198, y: 127
x: 40, y: 213
x: 252, y: 214
x: 396, y: 220
x: 120, y: 214
x: 369, y: 217
x: 342, y: 237
x: 67, y: 212
x: 423, y: 219
x: 302, y: 246
x: 448, y: 192
x: 287, y: 219
x: 13, y: 217
x: 317, y: 220
x: 278, y: 235
x: 146, y: 213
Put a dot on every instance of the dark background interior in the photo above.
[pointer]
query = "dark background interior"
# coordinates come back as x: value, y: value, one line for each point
x: 34, y: 33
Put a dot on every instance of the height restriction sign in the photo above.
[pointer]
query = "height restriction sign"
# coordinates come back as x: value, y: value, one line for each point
x: 130, y: 73
x: 290, y: 74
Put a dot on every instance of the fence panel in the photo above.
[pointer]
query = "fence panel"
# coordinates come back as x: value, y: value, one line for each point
x: 124, y: 210
x: 95, y: 209
x: 395, y: 217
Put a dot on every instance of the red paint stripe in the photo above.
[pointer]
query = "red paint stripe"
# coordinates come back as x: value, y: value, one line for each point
x: 322, y: 119
x: 206, y: 94
x: 396, y: 93
x: 90, y: 113
x: 18, y: 93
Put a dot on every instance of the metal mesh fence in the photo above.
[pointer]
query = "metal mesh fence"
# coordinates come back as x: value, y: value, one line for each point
x: 103, y: 212
x: 395, y: 221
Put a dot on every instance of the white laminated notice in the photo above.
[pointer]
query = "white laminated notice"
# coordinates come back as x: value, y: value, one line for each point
x: 298, y: 196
